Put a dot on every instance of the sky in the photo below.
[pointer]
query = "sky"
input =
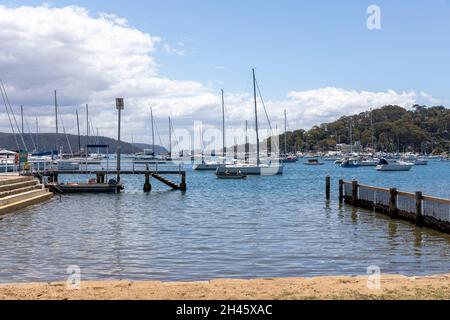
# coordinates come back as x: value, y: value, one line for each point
x: 317, y: 59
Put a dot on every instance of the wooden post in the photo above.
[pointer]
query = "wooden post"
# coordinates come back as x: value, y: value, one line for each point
x: 183, y: 182
x: 393, y: 203
x: 328, y: 187
x: 147, y: 185
x: 98, y: 178
x: 355, y: 193
x: 419, y: 216
x: 341, y: 191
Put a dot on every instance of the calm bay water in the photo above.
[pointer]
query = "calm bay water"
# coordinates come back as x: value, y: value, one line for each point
x: 262, y: 227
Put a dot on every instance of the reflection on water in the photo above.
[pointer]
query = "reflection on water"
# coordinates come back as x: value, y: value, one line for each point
x: 262, y: 227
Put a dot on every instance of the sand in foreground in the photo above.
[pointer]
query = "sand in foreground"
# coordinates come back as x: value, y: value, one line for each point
x: 392, y: 287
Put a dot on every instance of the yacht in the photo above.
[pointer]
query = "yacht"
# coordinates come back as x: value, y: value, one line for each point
x: 350, y: 163
x: 258, y: 168
x: 384, y: 165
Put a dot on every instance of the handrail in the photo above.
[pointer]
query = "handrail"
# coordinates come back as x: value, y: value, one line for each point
x: 434, y: 199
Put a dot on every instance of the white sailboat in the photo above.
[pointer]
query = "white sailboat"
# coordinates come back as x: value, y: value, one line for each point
x: 149, y: 155
x: 287, y: 158
x: 271, y: 168
x: 214, y: 165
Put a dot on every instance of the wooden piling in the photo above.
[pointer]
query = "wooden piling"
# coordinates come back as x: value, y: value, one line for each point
x: 355, y: 193
x: 341, y: 191
x: 328, y: 187
x: 393, y: 203
x: 419, y: 216
x: 183, y: 182
x: 147, y: 185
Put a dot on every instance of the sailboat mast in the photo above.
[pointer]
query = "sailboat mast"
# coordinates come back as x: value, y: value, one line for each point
x: 256, y: 119
x: 87, y: 125
x: 246, y: 142
x: 224, y: 151
x: 153, y: 132
x: 78, y: 128
x: 37, y: 135
x: 170, y: 137
x: 56, y: 122
x: 21, y: 114
x: 371, y: 129
x: 285, y: 133
x: 98, y: 142
x: 351, y: 137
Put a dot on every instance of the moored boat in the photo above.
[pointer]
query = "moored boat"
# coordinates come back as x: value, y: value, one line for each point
x: 230, y: 175
x: 350, y: 163
x: 313, y: 162
x: 384, y: 165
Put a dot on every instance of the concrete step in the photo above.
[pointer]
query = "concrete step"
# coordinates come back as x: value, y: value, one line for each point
x: 21, y: 196
x: 10, y: 208
x: 18, y: 185
x: 5, y: 180
x: 20, y: 190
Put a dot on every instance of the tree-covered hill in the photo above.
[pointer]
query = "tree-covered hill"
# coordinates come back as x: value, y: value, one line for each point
x: 47, y: 142
x: 389, y: 128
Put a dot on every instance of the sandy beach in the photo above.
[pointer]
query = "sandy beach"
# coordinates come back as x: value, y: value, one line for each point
x: 392, y: 287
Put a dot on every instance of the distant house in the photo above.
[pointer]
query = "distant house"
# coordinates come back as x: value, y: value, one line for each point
x: 346, y: 148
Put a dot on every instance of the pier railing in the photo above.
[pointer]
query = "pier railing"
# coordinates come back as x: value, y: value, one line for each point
x: 422, y: 210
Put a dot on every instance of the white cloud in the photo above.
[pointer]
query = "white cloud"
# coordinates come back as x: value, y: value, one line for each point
x: 93, y: 59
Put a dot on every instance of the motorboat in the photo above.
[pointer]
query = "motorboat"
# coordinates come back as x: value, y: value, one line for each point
x: 350, y: 163
x: 230, y: 175
x: 206, y: 166
x: 313, y: 162
x: 288, y: 159
x: 384, y: 165
x: 67, y: 165
x: 370, y: 162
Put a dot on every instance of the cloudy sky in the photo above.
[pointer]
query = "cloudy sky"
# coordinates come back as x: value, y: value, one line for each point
x: 319, y: 61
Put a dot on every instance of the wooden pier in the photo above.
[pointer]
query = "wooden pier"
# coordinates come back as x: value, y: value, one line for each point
x: 101, y: 176
x: 424, y: 211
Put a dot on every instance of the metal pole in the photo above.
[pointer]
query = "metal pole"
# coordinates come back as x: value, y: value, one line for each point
x: 118, y: 145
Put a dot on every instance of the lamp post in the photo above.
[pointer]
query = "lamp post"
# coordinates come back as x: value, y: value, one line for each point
x: 119, y: 106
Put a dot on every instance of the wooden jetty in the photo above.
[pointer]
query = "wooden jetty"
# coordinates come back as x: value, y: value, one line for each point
x: 102, y: 185
x: 424, y: 211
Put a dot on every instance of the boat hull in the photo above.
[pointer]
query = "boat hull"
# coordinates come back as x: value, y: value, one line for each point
x: 251, y: 170
x: 392, y: 167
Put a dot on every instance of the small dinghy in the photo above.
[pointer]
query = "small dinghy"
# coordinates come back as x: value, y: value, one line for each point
x: 230, y: 175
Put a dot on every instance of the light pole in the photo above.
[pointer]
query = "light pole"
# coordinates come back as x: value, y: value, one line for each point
x: 119, y: 106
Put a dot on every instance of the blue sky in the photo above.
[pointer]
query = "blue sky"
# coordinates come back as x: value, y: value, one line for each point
x: 315, y: 59
x: 295, y: 45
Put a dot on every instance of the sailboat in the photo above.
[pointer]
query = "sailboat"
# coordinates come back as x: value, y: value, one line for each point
x: 258, y: 168
x: 209, y: 165
x: 286, y: 158
x: 149, y: 155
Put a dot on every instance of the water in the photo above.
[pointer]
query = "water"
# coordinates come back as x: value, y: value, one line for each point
x: 260, y: 227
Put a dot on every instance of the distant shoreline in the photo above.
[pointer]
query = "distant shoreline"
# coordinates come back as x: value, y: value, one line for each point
x: 393, y: 287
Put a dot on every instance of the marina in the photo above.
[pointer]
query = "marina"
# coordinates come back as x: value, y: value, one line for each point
x: 163, y: 235
x: 225, y: 150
